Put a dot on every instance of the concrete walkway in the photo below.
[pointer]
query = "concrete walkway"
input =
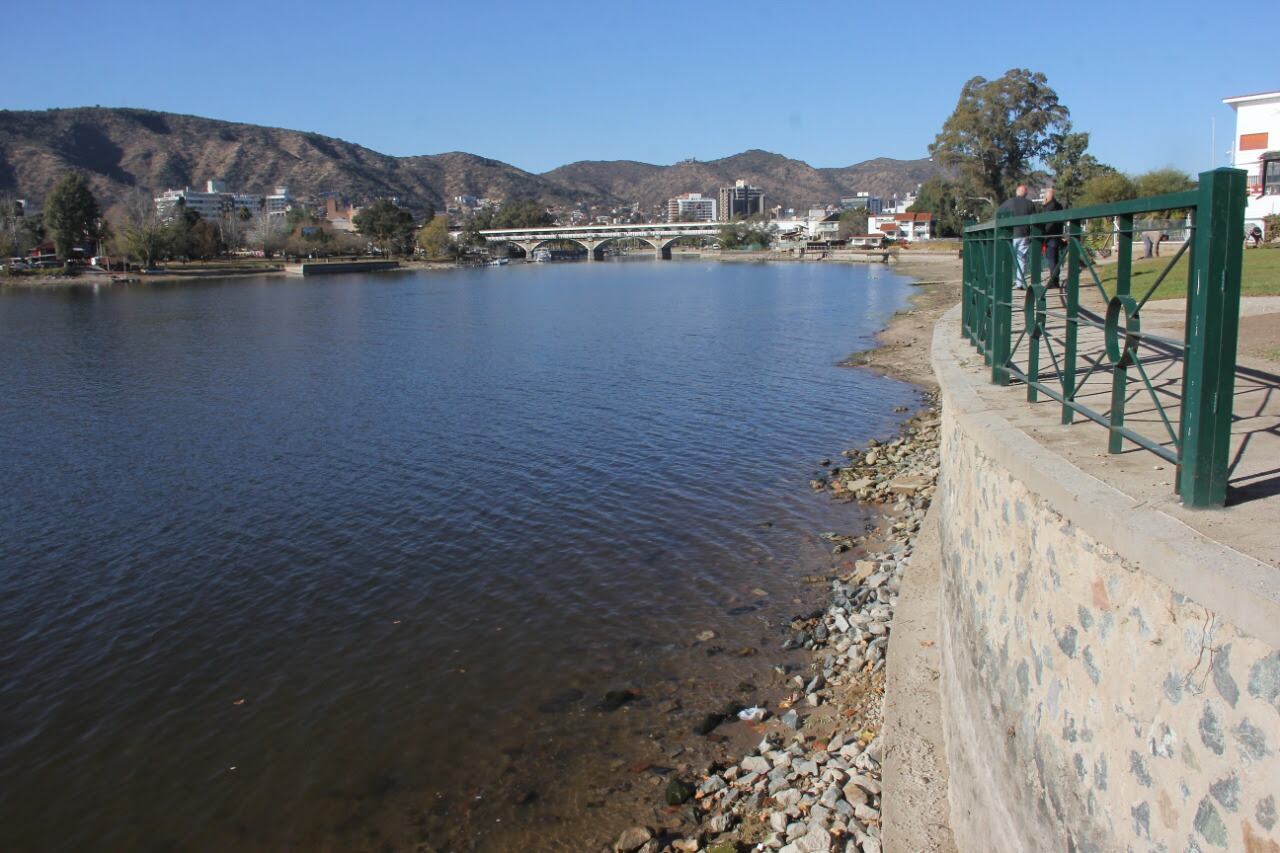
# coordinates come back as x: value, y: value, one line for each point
x: 914, y: 800
x: 1247, y: 524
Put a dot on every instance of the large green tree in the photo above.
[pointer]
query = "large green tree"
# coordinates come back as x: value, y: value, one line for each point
x: 1104, y: 189
x: 852, y: 221
x: 180, y: 237
x: 433, y: 238
x: 523, y: 214
x: 1000, y: 130
x: 1072, y: 166
x: 389, y: 227
x: 71, y: 214
x: 950, y: 207
x: 750, y: 233
x: 141, y: 235
x: 1162, y: 181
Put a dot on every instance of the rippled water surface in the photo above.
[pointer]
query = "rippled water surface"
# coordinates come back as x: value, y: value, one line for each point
x: 346, y: 563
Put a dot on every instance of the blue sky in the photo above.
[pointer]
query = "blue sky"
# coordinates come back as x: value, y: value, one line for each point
x: 543, y: 84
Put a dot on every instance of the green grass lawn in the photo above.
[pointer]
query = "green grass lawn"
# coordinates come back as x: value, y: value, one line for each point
x: 1260, y: 277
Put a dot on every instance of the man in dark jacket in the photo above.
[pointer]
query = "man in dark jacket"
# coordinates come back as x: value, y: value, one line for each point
x: 1052, y: 238
x: 1019, y: 205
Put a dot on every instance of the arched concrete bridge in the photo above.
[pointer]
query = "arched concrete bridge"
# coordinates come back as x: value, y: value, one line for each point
x: 659, y: 235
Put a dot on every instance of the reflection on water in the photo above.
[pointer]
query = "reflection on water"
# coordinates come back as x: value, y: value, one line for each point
x: 348, y: 562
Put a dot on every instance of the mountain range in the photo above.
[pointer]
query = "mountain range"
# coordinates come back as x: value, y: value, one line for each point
x: 120, y: 149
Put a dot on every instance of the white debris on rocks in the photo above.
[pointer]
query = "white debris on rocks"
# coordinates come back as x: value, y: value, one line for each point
x: 802, y: 791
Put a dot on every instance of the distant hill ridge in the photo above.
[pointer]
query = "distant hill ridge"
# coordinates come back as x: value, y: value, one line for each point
x: 121, y: 148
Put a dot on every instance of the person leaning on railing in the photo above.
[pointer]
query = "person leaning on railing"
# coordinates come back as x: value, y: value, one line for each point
x: 1052, y: 237
x: 1019, y: 205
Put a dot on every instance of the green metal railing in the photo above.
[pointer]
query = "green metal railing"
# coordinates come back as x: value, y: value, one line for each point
x: 1199, y: 442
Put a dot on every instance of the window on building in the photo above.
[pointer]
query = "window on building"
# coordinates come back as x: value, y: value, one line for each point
x: 1271, y: 177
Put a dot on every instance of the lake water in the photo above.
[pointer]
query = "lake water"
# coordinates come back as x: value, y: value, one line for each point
x: 347, y: 563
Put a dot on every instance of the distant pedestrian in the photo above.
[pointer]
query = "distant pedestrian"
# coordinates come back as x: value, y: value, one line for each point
x: 1255, y: 234
x: 1052, y: 237
x: 1019, y: 205
x: 1151, y: 243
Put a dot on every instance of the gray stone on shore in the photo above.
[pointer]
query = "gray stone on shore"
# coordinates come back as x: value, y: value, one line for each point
x: 632, y: 839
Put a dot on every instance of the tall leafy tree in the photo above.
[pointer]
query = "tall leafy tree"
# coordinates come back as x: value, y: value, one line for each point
x: 141, y: 235
x: 71, y: 214
x: 179, y: 231
x: 853, y: 221
x: 1000, y: 129
x: 522, y: 214
x: 433, y: 238
x: 388, y: 226
x: 1162, y: 181
x: 1106, y: 188
x: 1073, y: 166
x: 948, y: 203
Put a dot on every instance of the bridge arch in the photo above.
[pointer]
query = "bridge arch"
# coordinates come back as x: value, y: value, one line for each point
x: 531, y: 246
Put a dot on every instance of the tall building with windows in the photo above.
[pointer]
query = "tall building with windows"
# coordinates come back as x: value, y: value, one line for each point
x: 740, y: 200
x: 691, y: 207
x: 1257, y: 150
x: 864, y: 201
x: 211, y: 203
x: 279, y: 202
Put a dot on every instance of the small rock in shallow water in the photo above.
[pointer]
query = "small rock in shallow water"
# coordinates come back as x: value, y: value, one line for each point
x: 678, y: 792
x: 615, y: 699
x: 632, y: 839
x: 706, y: 636
x: 708, y: 724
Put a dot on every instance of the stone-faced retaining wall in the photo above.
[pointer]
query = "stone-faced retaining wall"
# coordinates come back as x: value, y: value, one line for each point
x: 1091, y: 704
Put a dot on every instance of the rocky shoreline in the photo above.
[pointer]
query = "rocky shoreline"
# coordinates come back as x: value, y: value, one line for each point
x: 813, y: 781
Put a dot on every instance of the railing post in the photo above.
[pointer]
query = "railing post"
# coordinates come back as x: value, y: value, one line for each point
x: 1032, y: 294
x: 1120, y: 369
x: 965, y: 273
x: 1072, y: 329
x: 1213, y: 314
x: 1002, y: 307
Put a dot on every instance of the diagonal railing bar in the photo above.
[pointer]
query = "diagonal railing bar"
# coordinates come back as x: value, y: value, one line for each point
x: 1013, y: 350
x: 1057, y: 368
x: 1092, y: 270
x: 1182, y: 251
x: 1146, y: 380
x: 1097, y: 363
x: 1200, y: 434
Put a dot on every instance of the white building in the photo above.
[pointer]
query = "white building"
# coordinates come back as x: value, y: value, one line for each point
x: 279, y: 202
x: 211, y: 203
x: 691, y: 207
x: 1257, y: 151
x: 912, y: 227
